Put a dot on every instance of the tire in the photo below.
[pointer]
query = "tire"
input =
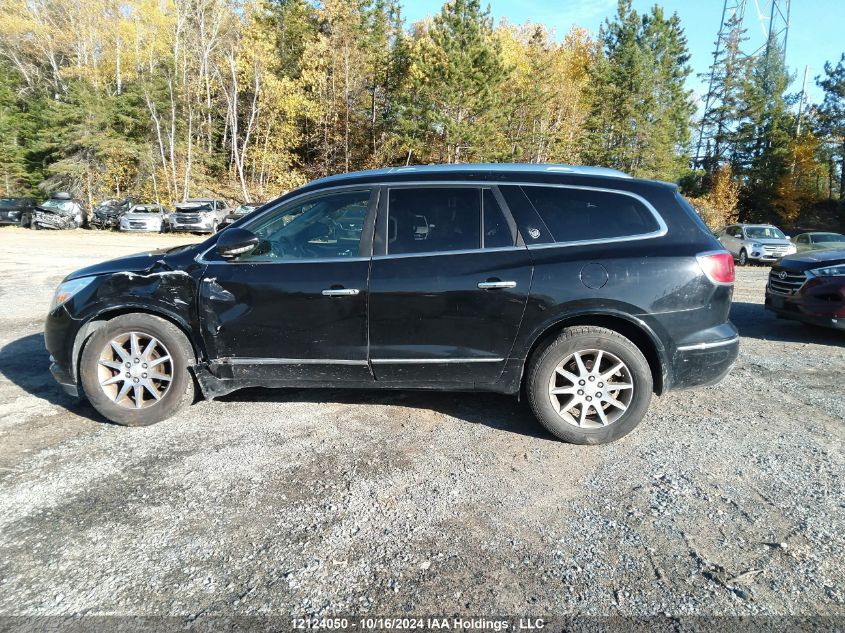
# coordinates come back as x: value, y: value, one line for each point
x: 588, y: 342
x: 175, y: 393
x: 743, y: 258
x: 26, y: 220
x: 214, y: 228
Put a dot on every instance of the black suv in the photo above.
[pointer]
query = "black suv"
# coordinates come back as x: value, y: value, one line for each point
x: 588, y: 289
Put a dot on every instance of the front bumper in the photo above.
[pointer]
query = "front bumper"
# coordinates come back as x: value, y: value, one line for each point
x: 53, y: 221
x: 149, y: 228
x: 104, y: 222
x: 820, y: 301
x: 707, y: 361
x: 190, y: 228
x: 60, y: 333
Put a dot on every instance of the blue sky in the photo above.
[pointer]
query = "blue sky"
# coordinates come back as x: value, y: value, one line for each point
x: 816, y: 32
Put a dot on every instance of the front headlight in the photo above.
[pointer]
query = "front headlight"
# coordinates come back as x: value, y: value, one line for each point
x: 67, y: 290
x: 828, y: 271
x: 756, y: 245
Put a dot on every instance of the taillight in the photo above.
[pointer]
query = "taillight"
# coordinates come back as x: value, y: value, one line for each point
x: 718, y: 266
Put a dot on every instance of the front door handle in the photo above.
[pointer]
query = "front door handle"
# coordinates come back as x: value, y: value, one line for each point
x: 488, y: 285
x: 341, y: 292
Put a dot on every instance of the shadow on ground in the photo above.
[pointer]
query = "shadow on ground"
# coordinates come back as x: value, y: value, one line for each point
x: 754, y: 321
x: 25, y: 362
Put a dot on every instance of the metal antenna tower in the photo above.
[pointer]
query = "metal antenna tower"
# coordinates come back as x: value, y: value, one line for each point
x: 773, y: 19
x: 733, y: 14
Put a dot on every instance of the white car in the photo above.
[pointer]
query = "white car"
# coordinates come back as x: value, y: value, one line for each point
x: 755, y: 242
x: 198, y: 215
x: 144, y: 217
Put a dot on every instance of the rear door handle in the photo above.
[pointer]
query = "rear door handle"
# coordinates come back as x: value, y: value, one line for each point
x: 489, y: 285
x: 341, y: 292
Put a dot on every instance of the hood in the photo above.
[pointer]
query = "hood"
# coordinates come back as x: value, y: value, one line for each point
x: 770, y: 241
x: 67, y: 213
x: 142, y: 216
x: 130, y: 264
x: 192, y: 208
x: 813, y: 259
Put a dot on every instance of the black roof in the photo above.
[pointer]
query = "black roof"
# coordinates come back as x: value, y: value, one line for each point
x: 487, y: 172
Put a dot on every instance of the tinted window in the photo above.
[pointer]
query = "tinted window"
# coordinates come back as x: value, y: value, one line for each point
x: 311, y: 229
x: 433, y: 219
x: 802, y: 239
x: 497, y: 231
x: 580, y: 214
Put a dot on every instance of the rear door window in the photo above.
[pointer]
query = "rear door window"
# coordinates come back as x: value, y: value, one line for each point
x: 433, y: 219
x: 574, y: 215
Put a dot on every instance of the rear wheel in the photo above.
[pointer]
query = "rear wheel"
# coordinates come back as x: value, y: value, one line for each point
x: 134, y: 370
x: 591, y: 385
x: 26, y: 220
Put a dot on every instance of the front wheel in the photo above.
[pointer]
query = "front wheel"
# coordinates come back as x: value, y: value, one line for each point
x: 591, y: 385
x: 743, y: 258
x: 134, y: 370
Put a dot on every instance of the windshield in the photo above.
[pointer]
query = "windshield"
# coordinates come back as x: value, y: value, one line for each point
x: 828, y: 237
x: 764, y: 233
x: 244, y: 209
x: 60, y: 205
x: 145, y: 209
x: 194, y: 206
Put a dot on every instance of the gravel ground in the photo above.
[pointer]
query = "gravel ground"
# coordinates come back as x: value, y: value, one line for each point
x: 725, y: 501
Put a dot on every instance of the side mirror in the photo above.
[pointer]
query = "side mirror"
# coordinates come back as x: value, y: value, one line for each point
x: 235, y: 241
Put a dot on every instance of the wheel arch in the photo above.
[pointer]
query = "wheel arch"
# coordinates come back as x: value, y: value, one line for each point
x: 635, y: 330
x: 99, y: 319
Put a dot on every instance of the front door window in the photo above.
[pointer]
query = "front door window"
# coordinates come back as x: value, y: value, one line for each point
x: 328, y: 226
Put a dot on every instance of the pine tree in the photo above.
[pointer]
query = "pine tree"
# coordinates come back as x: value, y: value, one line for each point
x: 763, y: 135
x: 640, y: 115
x: 451, y: 113
x: 832, y: 121
x: 727, y: 71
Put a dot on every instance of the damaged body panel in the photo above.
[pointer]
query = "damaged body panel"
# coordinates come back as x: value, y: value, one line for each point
x: 448, y: 278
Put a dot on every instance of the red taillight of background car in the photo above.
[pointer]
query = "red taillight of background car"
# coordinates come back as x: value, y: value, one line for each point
x: 718, y: 266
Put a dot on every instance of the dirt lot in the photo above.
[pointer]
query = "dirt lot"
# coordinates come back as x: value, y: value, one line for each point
x: 727, y: 500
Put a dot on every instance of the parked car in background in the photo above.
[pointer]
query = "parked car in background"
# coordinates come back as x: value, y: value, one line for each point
x: 809, y: 287
x: 818, y: 241
x: 198, y: 215
x: 585, y: 288
x: 107, y: 214
x: 239, y: 212
x: 17, y: 211
x: 755, y: 242
x: 61, y: 211
x: 144, y: 217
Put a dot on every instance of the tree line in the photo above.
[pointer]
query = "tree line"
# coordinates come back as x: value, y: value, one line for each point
x: 246, y: 99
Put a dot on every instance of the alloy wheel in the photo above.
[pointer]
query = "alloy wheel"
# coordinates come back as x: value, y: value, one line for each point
x: 135, y: 370
x: 591, y: 388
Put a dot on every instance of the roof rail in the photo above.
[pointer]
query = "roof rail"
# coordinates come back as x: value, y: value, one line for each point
x: 582, y: 170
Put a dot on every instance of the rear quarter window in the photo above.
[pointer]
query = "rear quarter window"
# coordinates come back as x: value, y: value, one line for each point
x: 574, y: 215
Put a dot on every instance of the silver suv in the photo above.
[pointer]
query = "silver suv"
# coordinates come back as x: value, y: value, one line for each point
x: 198, y: 215
x: 755, y: 242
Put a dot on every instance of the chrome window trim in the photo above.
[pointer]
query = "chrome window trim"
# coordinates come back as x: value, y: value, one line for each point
x: 661, y: 231
x: 467, y: 251
x: 697, y: 346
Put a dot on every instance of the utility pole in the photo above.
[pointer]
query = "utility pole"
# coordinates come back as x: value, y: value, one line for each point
x: 773, y: 17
